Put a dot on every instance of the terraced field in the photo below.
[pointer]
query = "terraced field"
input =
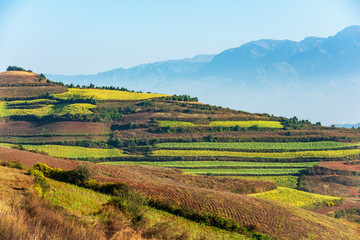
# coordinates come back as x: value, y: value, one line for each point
x: 219, y: 164
x: 271, y: 216
x: 246, y: 172
x: 103, y: 94
x: 244, y: 124
x: 47, y: 109
x: 34, y: 101
x: 281, y: 181
x: 281, y: 155
x: 72, y: 152
x: 321, y: 145
x: 295, y: 198
x: 3, y: 110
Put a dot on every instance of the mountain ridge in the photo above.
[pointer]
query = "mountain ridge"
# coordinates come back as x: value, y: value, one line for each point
x: 296, y: 71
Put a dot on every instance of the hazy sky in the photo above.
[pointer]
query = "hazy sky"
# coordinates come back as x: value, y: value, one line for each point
x: 88, y: 36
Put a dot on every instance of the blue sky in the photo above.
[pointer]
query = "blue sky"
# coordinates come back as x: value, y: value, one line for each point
x: 88, y: 36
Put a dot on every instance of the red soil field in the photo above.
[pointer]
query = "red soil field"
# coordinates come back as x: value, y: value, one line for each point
x: 270, y: 217
x: 167, y: 176
x: 340, y: 165
x: 29, y: 159
x: 18, y: 77
x: 28, y: 128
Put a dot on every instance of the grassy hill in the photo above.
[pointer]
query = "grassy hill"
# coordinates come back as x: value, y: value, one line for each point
x: 187, y: 158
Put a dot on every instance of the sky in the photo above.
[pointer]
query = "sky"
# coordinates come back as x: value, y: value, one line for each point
x: 87, y: 36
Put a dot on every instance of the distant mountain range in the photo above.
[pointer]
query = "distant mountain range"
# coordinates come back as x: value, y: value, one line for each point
x: 316, y: 78
x: 348, y: 125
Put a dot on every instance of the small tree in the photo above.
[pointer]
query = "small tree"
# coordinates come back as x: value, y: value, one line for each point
x: 41, y: 77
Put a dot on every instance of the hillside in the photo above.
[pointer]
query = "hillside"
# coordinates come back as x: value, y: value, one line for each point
x: 190, y: 160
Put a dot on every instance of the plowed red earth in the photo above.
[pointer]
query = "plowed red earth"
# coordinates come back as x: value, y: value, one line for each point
x: 350, y: 203
x: 340, y: 165
x: 29, y: 159
x: 278, y: 220
x: 28, y: 128
x: 18, y: 77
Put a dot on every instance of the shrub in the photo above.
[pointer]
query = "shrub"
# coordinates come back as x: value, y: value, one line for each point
x: 15, y: 68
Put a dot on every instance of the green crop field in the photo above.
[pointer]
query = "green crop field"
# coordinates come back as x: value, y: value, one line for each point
x: 175, y: 124
x: 59, y: 109
x: 76, y: 108
x: 35, y: 101
x: 282, y: 181
x: 219, y: 164
x: 258, y: 145
x: 75, y: 152
x: 104, y: 94
x: 245, y: 171
x: 294, y: 197
x: 44, y: 111
x: 74, y: 199
x: 3, y: 110
x: 302, y: 154
x: 244, y: 124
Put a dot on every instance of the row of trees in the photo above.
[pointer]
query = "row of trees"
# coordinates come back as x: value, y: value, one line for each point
x: 16, y: 68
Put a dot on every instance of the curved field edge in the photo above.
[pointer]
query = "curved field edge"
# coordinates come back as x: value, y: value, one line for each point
x: 295, y: 197
x: 59, y: 109
x: 271, y: 217
x: 74, y: 152
x: 321, y: 145
x: 218, y: 164
x: 105, y: 94
x: 85, y: 202
x: 281, y: 181
x: 302, y: 154
x: 245, y: 124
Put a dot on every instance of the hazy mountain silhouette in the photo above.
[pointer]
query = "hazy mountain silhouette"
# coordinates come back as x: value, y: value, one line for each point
x: 306, y: 78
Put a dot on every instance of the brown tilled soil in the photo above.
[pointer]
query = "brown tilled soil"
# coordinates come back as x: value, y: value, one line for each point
x: 168, y: 176
x: 23, y: 92
x: 28, y: 128
x: 341, y: 165
x: 314, y: 184
x: 350, y: 203
x: 18, y: 77
x: 278, y: 220
x: 29, y: 159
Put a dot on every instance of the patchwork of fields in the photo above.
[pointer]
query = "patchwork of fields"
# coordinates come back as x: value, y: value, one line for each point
x: 201, y: 157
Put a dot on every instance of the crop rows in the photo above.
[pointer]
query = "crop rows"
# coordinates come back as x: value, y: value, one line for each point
x: 104, y: 94
x: 244, y: 124
x: 35, y: 101
x: 258, y: 145
x: 245, y: 171
x: 294, y: 197
x: 3, y: 110
x: 302, y: 154
x: 220, y: 164
x: 288, y: 181
x: 71, y: 151
x: 60, y: 109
